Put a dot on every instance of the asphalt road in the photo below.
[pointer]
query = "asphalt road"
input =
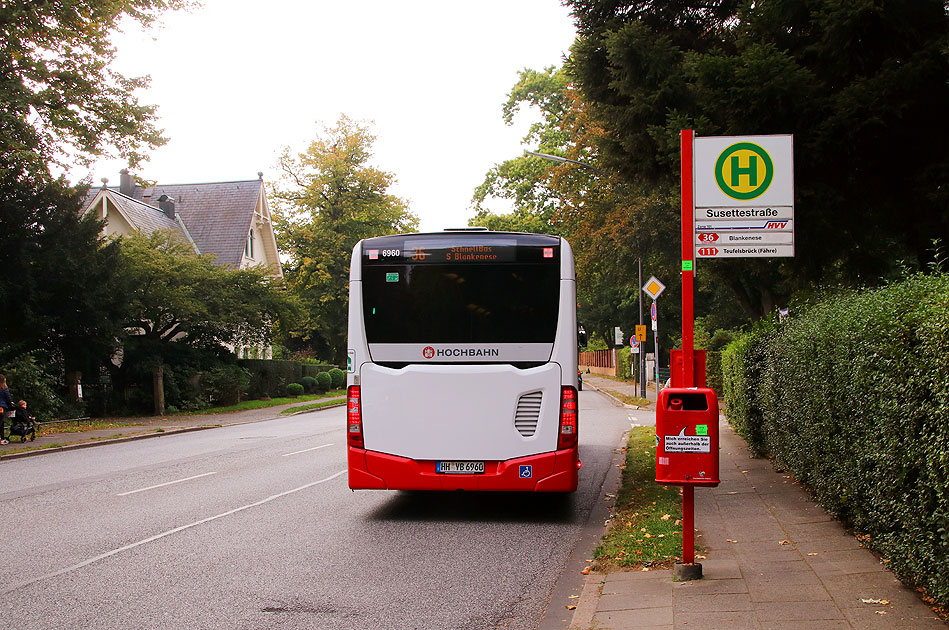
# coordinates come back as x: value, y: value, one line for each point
x: 253, y: 526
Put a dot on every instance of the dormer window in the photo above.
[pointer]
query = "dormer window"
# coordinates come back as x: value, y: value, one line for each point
x: 249, y: 246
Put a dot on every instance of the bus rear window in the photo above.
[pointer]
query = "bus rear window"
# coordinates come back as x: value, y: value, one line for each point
x: 461, y: 302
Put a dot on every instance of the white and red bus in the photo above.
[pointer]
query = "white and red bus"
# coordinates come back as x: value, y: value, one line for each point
x: 463, y: 363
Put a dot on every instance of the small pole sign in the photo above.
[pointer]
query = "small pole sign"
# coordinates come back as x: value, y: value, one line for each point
x: 653, y: 287
x: 641, y: 333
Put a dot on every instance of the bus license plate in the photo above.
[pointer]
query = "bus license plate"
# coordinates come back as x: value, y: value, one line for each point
x: 463, y: 468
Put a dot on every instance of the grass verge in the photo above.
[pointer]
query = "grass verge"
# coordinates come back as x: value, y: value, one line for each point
x: 637, y: 401
x: 646, y: 529
x: 312, y: 406
x: 260, y: 404
x: 71, y: 426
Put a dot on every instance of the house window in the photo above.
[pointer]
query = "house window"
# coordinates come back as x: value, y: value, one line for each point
x: 249, y: 246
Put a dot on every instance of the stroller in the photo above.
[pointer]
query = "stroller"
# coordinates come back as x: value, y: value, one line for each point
x: 23, y: 425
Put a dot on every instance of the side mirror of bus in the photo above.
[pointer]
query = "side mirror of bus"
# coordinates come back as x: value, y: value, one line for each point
x: 581, y: 336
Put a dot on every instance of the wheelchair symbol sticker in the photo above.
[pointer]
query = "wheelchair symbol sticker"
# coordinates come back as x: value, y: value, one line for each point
x: 526, y: 472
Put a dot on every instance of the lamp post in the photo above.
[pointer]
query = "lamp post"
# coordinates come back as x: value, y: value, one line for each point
x: 557, y: 158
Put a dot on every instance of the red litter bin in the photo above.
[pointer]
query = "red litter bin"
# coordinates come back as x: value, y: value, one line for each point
x: 687, y: 436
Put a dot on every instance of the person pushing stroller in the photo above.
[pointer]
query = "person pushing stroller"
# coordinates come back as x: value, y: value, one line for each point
x: 23, y: 423
x: 6, y: 406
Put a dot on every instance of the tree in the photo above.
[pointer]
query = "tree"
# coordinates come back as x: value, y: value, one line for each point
x: 58, y: 283
x: 329, y: 198
x: 526, y: 181
x: 857, y: 82
x: 60, y: 103
x: 610, y: 222
x: 175, y: 295
x: 183, y: 309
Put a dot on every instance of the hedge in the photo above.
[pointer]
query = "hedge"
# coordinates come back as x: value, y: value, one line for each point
x: 270, y: 377
x: 312, y: 369
x: 852, y: 397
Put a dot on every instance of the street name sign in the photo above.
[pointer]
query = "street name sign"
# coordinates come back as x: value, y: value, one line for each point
x: 744, y: 196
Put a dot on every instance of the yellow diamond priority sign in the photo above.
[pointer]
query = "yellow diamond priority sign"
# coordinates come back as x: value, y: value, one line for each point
x: 653, y: 287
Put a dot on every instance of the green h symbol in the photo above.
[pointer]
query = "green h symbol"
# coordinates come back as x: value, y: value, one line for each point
x: 751, y: 170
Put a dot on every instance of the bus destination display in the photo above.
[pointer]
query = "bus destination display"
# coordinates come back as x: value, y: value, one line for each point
x: 417, y: 251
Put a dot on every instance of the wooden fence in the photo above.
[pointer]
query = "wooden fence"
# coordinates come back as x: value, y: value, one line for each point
x: 598, y: 362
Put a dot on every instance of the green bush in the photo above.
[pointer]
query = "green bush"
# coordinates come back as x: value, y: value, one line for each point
x: 324, y: 381
x: 338, y: 378
x: 224, y: 385
x: 852, y: 396
x: 309, y: 384
x: 28, y: 381
x: 623, y: 362
x: 294, y: 389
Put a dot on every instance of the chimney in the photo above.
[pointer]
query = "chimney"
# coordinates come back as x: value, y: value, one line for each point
x: 167, y: 205
x: 126, y: 183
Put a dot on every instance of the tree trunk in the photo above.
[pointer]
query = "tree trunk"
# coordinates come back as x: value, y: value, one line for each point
x: 158, y: 385
x: 72, y: 386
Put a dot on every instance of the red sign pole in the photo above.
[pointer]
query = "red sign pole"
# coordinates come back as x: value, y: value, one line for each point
x: 688, y: 525
x: 688, y: 261
x: 688, y: 324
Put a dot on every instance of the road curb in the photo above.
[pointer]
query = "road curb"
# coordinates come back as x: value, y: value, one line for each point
x: 153, y: 433
x: 91, y: 443
x: 341, y: 403
x: 582, y: 617
x: 617, y: 400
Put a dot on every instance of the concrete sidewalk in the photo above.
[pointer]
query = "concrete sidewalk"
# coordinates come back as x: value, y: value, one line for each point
x: 773, y: 560
x: 144, y: 427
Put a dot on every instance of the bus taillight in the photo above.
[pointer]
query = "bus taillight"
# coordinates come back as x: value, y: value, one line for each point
x: 354, y: 417
x: 568, y: 418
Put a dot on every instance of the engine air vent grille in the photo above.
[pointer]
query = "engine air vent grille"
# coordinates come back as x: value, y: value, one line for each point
x: 528, y: 413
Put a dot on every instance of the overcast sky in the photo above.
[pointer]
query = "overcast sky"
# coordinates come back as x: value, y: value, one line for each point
x: 237, y: 80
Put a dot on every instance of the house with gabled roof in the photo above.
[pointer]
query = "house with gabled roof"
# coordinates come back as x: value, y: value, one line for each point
x: 228, y: 219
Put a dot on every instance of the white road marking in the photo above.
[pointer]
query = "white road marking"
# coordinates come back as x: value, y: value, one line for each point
x: 145, y: 541
x: 306, y: 450
x: 162, y: 485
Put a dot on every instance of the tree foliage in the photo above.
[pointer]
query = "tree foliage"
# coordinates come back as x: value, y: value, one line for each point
x: 861, y: 85
x: 329, y: 198
x: 527, y: 181
x: 58, y: 278
x: 176, y: 295
x: 60, y: 102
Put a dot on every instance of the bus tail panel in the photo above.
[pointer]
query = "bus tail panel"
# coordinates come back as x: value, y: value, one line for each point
x: 461, y: 412
x: 548, y: 472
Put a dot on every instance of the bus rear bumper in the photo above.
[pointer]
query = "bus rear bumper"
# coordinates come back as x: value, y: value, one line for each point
x: 548, y: 472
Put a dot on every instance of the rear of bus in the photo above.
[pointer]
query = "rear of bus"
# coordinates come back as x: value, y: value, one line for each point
x: 462, y: 363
